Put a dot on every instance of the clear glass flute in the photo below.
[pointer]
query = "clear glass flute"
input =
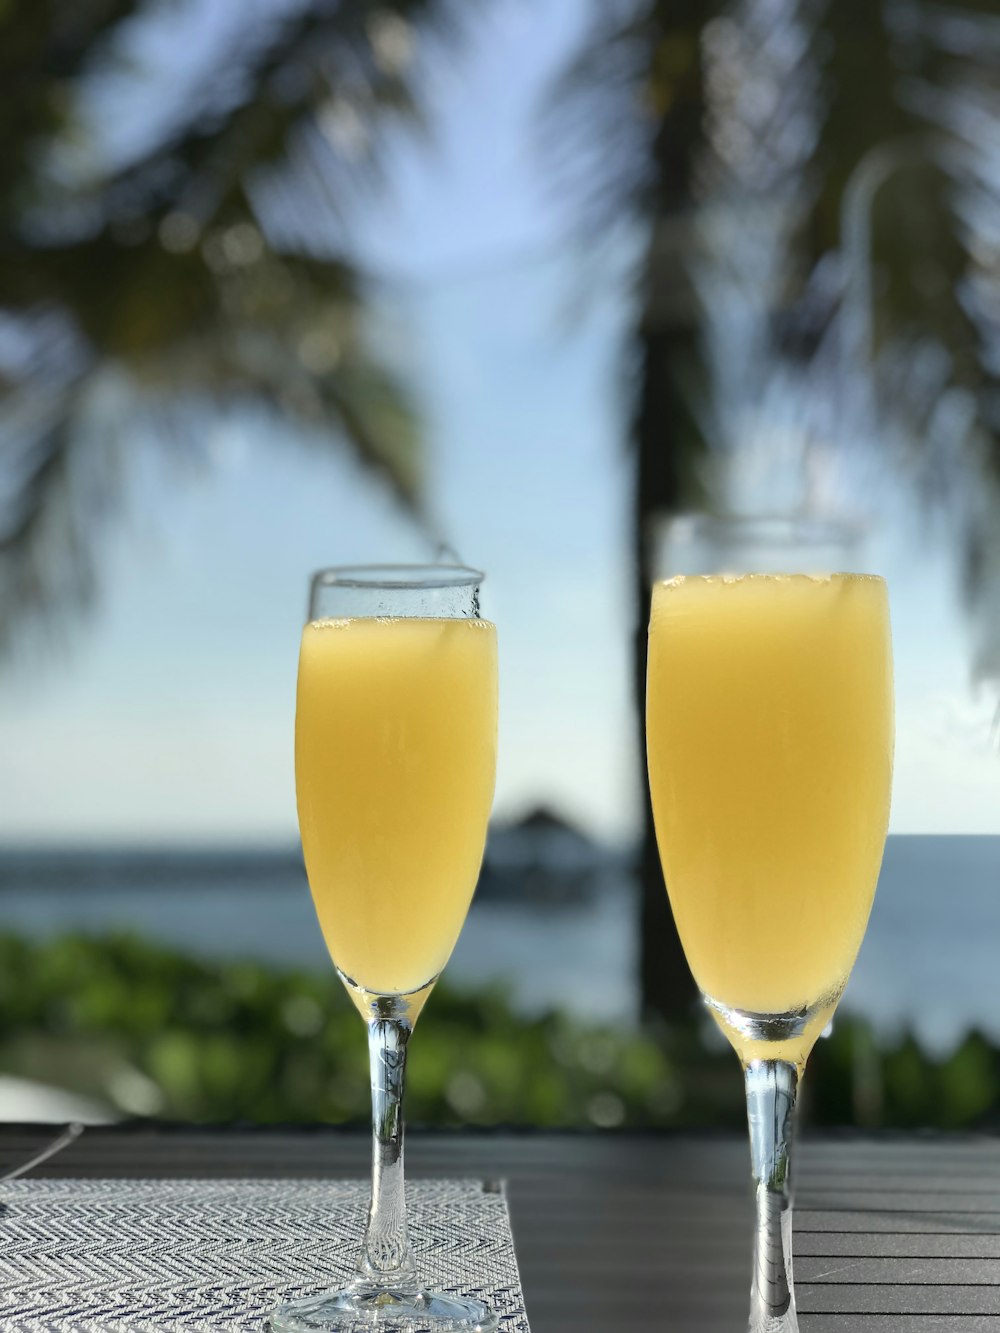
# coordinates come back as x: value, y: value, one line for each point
x: 395, y: 758
x: 769, y: 732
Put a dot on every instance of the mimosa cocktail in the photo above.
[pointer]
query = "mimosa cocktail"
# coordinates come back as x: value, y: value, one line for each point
x: 769, y: 732
x: 395, y: 755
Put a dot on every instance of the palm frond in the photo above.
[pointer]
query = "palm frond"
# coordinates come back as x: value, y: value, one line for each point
x: 283, y: 335
x: 603, y: 174
x: 44, y: 45
x: 951, y: 85
x: 627, y: 103
x: 174, y: 275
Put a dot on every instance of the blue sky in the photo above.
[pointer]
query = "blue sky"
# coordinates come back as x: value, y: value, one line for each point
x: 169, y: 714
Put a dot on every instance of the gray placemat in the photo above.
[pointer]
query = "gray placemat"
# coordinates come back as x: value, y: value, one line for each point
x: 164, y: 1255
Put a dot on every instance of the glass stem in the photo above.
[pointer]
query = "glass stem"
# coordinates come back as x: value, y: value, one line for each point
x: 771, y: 1086
x: 386, y: 1259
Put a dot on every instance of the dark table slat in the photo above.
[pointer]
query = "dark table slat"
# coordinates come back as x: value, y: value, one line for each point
x: 861, y: 1223
x: 903, y: 1272
x: 845, y: 1298
x: 922, y: 1201
x: 902, y: 1188
x: 949, y: 1323
x: 912, y: 1245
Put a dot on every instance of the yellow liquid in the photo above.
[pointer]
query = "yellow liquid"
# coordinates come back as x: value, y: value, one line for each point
x: 769, y: 727
x: 395, y: 757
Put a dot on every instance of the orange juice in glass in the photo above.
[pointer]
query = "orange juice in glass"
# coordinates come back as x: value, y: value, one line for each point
x: 769, y: 733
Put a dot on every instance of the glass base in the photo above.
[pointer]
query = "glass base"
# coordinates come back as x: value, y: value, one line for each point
x: 376, y: 1310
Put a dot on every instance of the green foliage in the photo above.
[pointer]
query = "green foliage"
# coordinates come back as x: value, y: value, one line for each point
x: 150, y: 1031
x: 205, y: 270
x: 239, y: 1041
x: 851, y: 1080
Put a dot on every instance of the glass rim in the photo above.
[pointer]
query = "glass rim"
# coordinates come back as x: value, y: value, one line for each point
x: 417, y: 576
x: 779, y: 529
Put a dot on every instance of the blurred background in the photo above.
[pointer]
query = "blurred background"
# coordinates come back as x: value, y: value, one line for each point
x: 286, y: 284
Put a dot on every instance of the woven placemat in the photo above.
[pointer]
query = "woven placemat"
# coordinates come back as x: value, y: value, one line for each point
x: 164, y: 1255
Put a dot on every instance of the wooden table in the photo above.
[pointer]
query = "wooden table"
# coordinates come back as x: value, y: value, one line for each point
x: 621, y: 1232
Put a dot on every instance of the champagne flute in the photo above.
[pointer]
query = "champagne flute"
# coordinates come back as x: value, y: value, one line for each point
x: 769, y: 732
x: 395, y: 759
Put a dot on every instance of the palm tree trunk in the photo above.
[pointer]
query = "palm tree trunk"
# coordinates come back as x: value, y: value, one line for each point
x: 666, y: 439
x: 666, y: 988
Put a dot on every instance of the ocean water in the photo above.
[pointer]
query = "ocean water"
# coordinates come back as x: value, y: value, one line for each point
x: 930, y: 960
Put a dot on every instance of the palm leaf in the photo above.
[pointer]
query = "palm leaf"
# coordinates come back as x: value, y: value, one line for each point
x: 174, y: 276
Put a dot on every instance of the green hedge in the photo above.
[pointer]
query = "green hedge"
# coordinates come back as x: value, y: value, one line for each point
x: 153, y: 1031
x: 150, y: 1031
